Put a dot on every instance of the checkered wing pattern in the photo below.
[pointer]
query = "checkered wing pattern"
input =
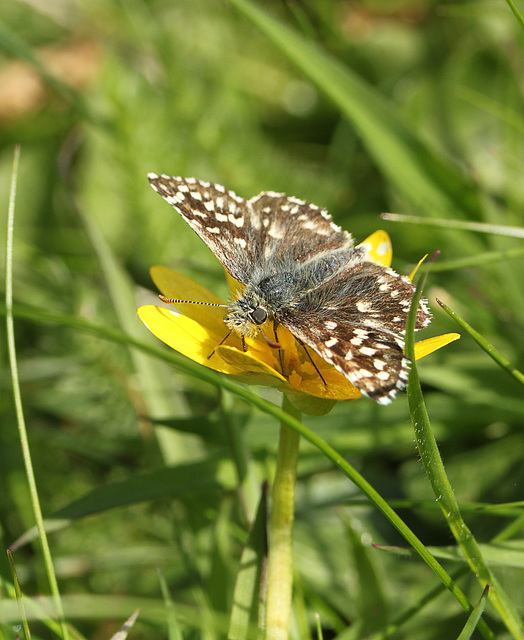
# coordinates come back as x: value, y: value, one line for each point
x: 292, y: 226
x: 358, y: 327
x: 219, y: 217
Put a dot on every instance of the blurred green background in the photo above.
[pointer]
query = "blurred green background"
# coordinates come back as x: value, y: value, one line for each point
x: 101, y: 92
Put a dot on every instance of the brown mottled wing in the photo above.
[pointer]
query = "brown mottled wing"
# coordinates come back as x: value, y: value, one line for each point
x: 220, y: 217
x: 356, y: 322
x: 298, y: 229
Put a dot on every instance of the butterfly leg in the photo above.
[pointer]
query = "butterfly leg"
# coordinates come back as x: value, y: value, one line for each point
x: 222, y: 342
x: 280, y: 355
x: 306, y: 351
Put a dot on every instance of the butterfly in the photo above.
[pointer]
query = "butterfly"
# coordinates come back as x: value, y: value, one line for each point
x: 302, y: 271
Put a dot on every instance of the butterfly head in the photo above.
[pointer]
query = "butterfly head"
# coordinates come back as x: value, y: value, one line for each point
x: 245, y: 315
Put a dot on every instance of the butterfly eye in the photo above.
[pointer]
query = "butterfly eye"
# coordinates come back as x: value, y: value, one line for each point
x: 258, y: 315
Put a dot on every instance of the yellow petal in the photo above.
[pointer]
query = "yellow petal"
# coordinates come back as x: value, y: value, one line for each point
x: 336, y: 387
x: 235, y: 287
x: 412, y: 274
x: 425, y: 347
x: 378, y: 247
x: 185, y: 335
x: 248, y: 367
x: 175, y: 285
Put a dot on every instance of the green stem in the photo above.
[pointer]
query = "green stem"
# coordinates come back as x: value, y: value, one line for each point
x: 280, y: 561
x: 434, y: 467
x: 17, y: 397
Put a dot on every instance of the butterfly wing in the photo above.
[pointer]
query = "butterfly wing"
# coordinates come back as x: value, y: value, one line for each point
x: 294, y: 228
x: 355, y: 322
x: 220, y: 217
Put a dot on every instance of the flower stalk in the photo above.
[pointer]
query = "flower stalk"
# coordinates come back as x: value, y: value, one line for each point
x: 280, y: 562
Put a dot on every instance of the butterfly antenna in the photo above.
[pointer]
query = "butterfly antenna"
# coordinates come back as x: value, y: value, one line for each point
x: 175, y: 301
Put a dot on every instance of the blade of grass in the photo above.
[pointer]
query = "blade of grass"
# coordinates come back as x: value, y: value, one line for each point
x: 246, y: 596
x: 502, y: 554
x: 498, y: 110
x: 516, y: 12
x: 418, y: 173
x: 18, y: 591
x: 474, y: 617
x: 512, y: 529
x: 124, y: 630
x: 504, y: 510
x: 478, y: 260
x: 34, y: 610
x: 372, y: 603
x: 108, y: 607
x: 173, y: 627
x: 175, y: 446
x: 434, y: 467
x: 17, y: 397
x: 407, y: 615
x: 481, y: 227
x: 486, y: 346
x: 248, y: 482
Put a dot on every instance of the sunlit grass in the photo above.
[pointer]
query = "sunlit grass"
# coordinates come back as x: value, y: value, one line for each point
x: 141, y: 458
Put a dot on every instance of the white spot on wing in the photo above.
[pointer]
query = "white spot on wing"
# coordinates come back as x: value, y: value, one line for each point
x: 362, y: 306
x: 238, y: 222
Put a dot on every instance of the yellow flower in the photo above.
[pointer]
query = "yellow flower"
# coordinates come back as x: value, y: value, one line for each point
x: 199, y: 332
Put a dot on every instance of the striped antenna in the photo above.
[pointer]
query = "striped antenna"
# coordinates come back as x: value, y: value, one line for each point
x: 174, y: 301
x: 270, y: 343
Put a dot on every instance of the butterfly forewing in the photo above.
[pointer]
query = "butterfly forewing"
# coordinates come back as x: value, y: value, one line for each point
x: 219, y: 217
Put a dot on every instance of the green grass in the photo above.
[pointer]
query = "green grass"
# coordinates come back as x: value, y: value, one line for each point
x: 149, y: 470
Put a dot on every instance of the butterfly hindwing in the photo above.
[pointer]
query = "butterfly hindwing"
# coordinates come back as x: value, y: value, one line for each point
x: 356, y: 322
